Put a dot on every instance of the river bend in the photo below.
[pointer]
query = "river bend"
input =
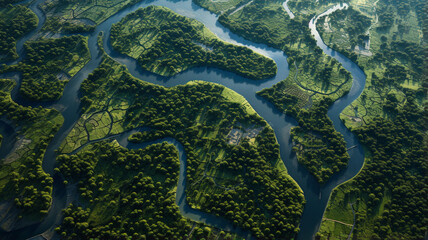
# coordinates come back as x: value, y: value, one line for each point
x: 315, y: 194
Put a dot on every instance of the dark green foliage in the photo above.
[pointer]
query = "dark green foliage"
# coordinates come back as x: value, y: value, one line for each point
x: 181, y: 44
x: 253, y: 27
x: 45, y: 60
x: 15, y: 22
x: 318, y: 145
x: 186, y: 113
x: 23, y: 179
x: 127, y: 193
x: 396, y: 173
x: 390, y: 191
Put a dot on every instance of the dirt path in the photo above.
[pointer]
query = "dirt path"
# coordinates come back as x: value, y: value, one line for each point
x: 328, y: 219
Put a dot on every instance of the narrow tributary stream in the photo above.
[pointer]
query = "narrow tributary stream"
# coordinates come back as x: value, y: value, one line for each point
x: 316, y: 195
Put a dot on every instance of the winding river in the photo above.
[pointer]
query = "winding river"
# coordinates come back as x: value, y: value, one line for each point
x: 316, y: 195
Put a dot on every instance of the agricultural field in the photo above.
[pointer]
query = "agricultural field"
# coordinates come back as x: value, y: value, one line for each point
x: 80, y: 16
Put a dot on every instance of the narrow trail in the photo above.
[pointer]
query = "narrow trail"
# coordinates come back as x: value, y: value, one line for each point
x: 328, y: 219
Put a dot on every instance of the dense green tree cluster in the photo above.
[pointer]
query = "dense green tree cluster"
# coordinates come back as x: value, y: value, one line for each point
x: 23, y: 177
x: 200, y: 116
x: 304, y: 5
x: 390, y: 191
x: 408, y: 52
x: 45, y: 60
x: 254, y: 204
x: 15, y: 22
x: 176, y: 43
x: 126, y: 194
x: 318, y: 145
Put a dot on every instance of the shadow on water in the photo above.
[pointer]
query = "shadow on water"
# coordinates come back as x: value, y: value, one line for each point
x: 69, y: 105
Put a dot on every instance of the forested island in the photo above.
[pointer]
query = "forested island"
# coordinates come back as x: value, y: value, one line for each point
x: 167, y: 43
x: 97, y: 149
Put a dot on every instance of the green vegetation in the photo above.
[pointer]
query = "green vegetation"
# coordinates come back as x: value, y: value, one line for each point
x: 220, y: 6
x: 388, y: 118
x: 315, y: 79
x: 388, y: 194
x: 309, y: 7
x: 310, y: 68
x: 392, y: 56
x: 4, y: 3
x: 166, y: 43
x: 22, y: 180
x: 80, y: 16
x: 352, y: 24
x: 239, y: 182
x: 267, y: 22
x: 49, y: 64
x: 126, y: 194
x: 15, y: 22
x: 318, y: 146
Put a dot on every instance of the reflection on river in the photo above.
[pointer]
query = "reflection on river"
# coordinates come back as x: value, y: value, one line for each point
x: 316, y: 195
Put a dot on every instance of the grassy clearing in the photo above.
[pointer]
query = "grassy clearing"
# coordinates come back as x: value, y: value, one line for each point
x: 233, y: 96
x: 220, y: 6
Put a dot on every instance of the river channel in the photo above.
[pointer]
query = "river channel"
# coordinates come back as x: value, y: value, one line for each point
x: 315, y: 194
